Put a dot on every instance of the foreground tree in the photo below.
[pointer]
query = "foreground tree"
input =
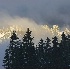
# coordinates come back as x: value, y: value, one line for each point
x: 10, y: 59
x: 28, y: 51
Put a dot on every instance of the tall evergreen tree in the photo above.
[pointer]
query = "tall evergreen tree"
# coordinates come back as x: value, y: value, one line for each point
x: 56, y: 53
x: 10, y: 59
x: 65, y: 50
x: 28, y: 50
x: 62, y: 47
x: 55, y: 42
x: 48, y: 52
x: 63, y: 41
x: 41, y: 54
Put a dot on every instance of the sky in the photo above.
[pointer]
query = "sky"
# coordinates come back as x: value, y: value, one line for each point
x: 41, y: 11
x: 33, y: 13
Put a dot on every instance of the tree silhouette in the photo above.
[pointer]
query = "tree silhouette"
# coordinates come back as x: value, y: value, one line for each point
x: 6, y: 60
x: 55, y: 42
x: 62, y: 47
x: 56, y: 53
x: 47, y: 42
x: 10, y: 53
x: 41, y: 54
x: 47, y: 52
x: 65, y: 50
x: 28, y: 50
x: 25, y: 55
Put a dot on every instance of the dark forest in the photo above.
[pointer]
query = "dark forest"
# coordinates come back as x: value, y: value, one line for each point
x: 26, y: 55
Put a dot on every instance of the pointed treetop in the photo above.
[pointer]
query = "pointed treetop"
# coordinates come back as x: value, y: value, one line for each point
x: 64, y: 37
x: 63, y: 34
x: 55, y: 38
x: 48, y: 40
x: 14, y: 36
x: 55, y: 41
x: 27, y: 36
x: 28, y: 31
x: 47, y: 43
x: 41, y: 40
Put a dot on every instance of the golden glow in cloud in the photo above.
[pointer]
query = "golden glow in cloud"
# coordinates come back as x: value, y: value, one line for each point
x: 8, y: 24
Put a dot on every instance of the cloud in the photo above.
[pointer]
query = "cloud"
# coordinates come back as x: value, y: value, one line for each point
x: 41, y: 11
x: 10, y: 23
x: 23, y: 23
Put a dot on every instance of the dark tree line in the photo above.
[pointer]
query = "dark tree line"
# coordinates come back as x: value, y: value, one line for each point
x: 25, y: 55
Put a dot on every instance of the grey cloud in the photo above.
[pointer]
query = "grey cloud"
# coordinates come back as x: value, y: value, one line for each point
x: 42, y: 11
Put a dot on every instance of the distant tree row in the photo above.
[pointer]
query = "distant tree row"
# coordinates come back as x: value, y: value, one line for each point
x: 25, y: 55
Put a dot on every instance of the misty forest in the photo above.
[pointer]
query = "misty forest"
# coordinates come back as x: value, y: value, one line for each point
x: 48, y: 54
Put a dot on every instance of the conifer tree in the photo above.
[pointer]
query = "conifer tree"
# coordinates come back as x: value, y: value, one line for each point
x: 65, y: 50
x: 41, y: 54
x: 13, y: 48
x: 47, y: 44
x: 64, y: 40
x: 55, y: 42
x: 10, y: 53
x: 6, y: 60
x: 41, y: 46
x: 48, y: 52
x: 56, y: 54
x: 28, y: 50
